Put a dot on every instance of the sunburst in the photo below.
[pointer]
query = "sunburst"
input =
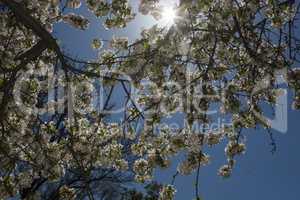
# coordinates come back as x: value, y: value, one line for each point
x: 168, y: 16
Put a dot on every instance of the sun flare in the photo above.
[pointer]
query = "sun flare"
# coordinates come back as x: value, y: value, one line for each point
x: 168, y: 16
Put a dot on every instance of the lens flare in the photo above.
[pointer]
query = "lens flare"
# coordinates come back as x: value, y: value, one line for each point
x: 168, y: 16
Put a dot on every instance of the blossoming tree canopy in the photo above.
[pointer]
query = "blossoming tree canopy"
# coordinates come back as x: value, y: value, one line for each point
x: 202, y: 54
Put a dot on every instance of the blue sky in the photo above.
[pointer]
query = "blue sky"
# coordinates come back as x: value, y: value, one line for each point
x: 258, y: 174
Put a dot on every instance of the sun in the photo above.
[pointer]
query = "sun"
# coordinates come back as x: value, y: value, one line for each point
x: 168, y: 16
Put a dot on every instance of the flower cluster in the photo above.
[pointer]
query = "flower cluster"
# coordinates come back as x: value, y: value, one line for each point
x: 76, y: 21
x: 193, y: 161
x: 167, y: 193
x: 119, y: 43
x: 150, y: 7
x: 233, y: 148
x: 142, y: 170
x: 293, y: 79
x: 118, y: 12
x: 97, y: 44
x: 74, y: 4
x: 225, y: 171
